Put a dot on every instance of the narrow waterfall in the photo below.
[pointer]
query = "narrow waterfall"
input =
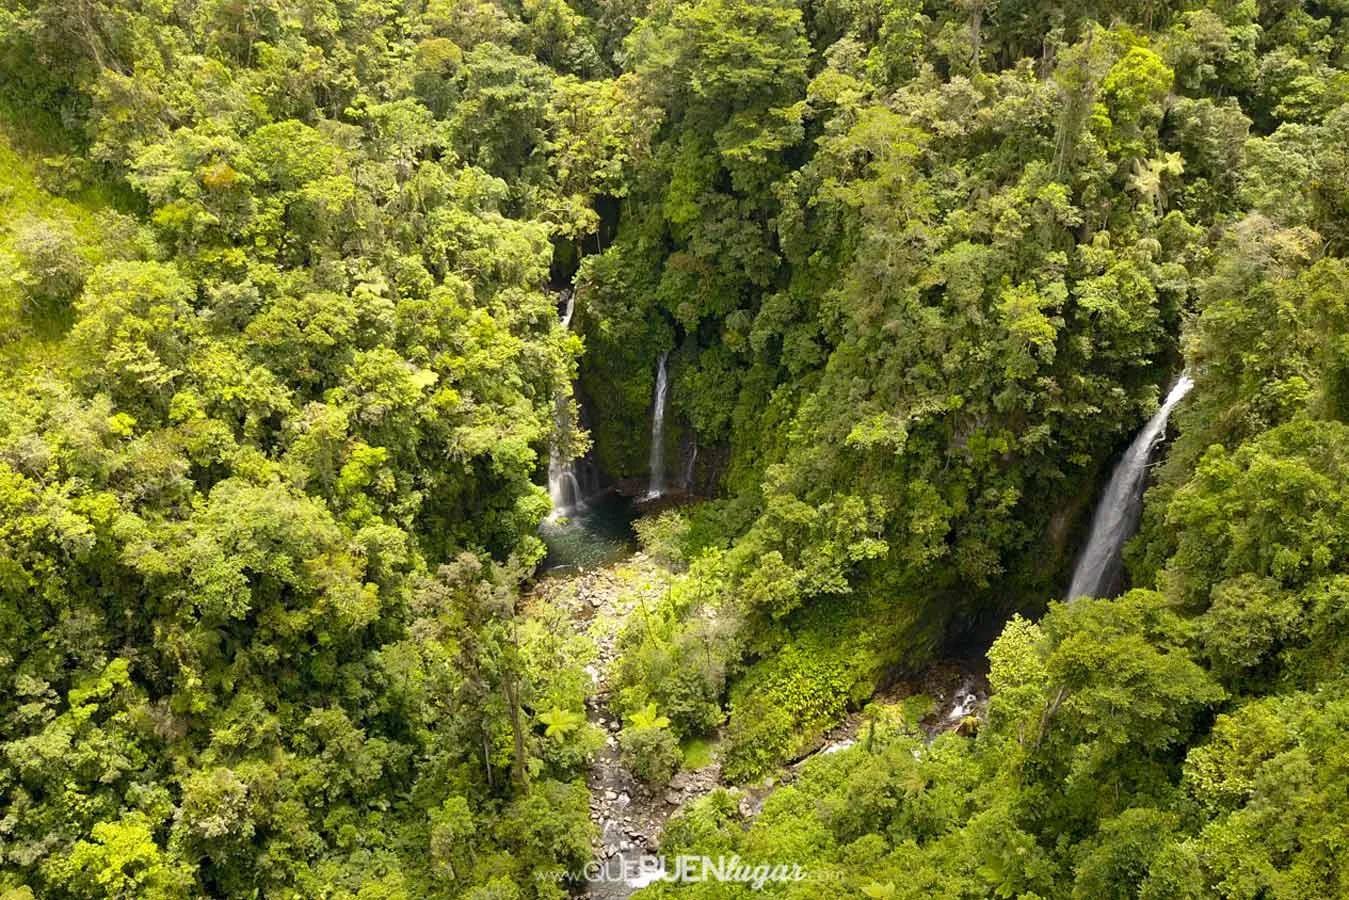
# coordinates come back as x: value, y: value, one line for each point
x: 689, y: 468
x: 563, y: 487
x: 569, y: 299
x: 1100, y: 568
x: 656, y: 486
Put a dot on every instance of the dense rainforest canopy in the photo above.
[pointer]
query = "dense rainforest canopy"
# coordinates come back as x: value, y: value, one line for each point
x: 282, y: 367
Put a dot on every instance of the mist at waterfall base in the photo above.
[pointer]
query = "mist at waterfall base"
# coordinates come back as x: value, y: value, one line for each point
x: 589, y: 526
x: 1100, y: 568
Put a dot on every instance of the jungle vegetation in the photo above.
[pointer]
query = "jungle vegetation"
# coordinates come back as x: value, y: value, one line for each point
x: 280, y: 360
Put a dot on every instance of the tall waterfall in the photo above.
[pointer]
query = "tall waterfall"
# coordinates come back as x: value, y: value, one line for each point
x: 656, y: 486
x: 563, y: 487
x: 1100, y: 568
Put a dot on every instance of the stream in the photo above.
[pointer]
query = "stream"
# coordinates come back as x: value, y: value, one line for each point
x: 628, y: 816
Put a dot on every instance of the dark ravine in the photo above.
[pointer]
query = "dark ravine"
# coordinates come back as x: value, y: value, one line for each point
x: 594, y: 574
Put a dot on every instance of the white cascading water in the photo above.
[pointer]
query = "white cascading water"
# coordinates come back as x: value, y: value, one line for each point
x: 656, y: 486
x: 563, y: 488
x: 569, y: 297
x: 1100, y: 566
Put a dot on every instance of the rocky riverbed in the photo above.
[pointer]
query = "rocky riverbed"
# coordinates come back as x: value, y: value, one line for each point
x: 628, y: 816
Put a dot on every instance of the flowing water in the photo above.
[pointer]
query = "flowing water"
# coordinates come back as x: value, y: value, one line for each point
x: 564, y: 489
x: 1099, y: 570
x: 656, y: 486
x: 688, y: 468
x: 628, y: 817
x: 568, y: 298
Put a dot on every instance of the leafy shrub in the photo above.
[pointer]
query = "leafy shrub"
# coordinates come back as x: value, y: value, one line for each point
x: 548, y: 827
x: 709, y: 825
x: 696, y: 753
x: 649, y: 747
x: 664, y: 537
x: 54, y: 265
x: 785, y: 701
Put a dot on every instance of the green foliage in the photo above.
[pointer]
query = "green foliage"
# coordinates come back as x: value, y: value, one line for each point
x: 651, y: 751
x: 122, y: 860
x: 677, y: 656
x: 665, y: 537
x: 268, y: 455
x: 1270, y: 775
x: 281, y: 376
x: 647, y: 718
x: 52, y: 262
x: 1101, y: 769
x: 560, y: 722
x: 696, y: 753
x: 785, y: 700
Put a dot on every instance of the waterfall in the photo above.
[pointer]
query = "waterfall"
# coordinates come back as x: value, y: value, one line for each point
x: 688, y: 468
x: 1100, y: 568
x: 656, y: 486
x: 569, y: 298
x: 563, y: 487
